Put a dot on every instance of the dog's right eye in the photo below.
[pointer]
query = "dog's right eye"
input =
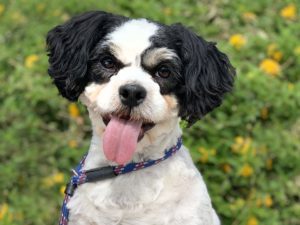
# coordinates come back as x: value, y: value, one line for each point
x: 163, y: 72
x: 108, y: 62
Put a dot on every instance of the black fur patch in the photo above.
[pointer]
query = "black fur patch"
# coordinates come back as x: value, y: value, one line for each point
x: 206, y: 73
x: 97, y: 73
x: 167, y: 85
x: 69, y: 49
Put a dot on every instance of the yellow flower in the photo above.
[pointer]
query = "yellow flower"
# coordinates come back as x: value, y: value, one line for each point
x: 241, y: 145
x: 238, y: 143
x: 289, y: 12
x: 237, y: 204
x: 3, y: 210
x: 290, y: 86
x: 297, y: 50
x: 239, y: 140
x: 226, y: 168
x: 2, y: 8
x: 212, y: 152
x: 268, y: 201
x: 274, y: 53
x: 237, y: 41
x: 62, y: 190
x: 65, y: 17
x: 73, y: 110
x: 51, y: 180
x: 271, y: 48
x: 18, y: 18
x: 72, y: 144
x: 31, y: 60
x: 167, y: 11
x: 270, y: 66
x: 58, y: 178
x: 246, y: 171
x: 264, y: 113
x: 249, y: 16
x: 204, y: 155
x: 40, y: 7
x: 277, y: 55
x: 252, y: 221
x: 57, y: 13
x: 246, y: 146
x: 269, y: 164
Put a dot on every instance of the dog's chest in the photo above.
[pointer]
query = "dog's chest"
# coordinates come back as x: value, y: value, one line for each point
x: 115, y: 202
x: 150, y: 197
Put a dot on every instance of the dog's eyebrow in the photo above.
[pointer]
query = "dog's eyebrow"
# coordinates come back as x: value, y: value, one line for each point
x: 153, y: 56
x: 107, y: 48
x: 112, y: 49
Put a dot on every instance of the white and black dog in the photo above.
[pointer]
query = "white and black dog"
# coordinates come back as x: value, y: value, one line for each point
x: 137, y: 78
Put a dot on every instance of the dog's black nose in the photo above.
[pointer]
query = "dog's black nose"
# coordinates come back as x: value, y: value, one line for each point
x: 132, y: 94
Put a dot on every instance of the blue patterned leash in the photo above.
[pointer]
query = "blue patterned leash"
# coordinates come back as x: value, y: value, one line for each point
x: 81, y: 176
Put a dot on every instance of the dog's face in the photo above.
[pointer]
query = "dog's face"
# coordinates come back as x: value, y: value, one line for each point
x: 132, y: 78
x: 136, y: 74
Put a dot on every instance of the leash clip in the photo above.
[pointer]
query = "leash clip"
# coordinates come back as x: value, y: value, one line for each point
x: 70, y: 188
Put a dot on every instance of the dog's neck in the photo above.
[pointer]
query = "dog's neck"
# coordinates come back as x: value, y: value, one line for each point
x: 153, y: 145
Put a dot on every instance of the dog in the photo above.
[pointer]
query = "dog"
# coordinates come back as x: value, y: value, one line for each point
x: 138, y: 78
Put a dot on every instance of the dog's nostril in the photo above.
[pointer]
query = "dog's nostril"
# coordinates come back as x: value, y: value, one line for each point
x: 124, y: 93
x: 132, y: 94
x: 140, y: 95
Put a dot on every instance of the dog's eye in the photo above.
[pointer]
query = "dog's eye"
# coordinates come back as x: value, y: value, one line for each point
x: 163, y: 72
x: 108, y: 62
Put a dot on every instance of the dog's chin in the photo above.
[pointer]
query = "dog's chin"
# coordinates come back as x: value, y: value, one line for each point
x: 146, y: 124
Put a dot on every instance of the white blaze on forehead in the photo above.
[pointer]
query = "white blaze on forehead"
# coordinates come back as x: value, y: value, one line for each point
x: 131, y: 39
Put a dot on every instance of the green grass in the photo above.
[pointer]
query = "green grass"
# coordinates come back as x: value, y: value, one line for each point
x: 248, y: 150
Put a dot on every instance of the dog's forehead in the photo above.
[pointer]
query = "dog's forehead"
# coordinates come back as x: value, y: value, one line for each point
x: 131, y: 39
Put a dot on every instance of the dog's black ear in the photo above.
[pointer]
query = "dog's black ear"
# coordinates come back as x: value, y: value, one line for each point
x: 69, y: 47
x: 206, y: 75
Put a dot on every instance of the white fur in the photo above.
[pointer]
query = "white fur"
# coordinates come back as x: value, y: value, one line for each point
x: 132, y: 39
x: 171, y: 192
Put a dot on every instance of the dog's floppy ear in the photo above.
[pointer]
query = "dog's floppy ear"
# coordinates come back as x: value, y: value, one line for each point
x: 69, y: 47
x: 206, y: 75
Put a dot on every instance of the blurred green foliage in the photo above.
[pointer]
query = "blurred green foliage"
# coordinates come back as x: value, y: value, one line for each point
x: 248, y: 150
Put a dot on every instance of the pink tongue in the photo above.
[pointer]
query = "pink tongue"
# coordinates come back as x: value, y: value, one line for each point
x: 120, y: 139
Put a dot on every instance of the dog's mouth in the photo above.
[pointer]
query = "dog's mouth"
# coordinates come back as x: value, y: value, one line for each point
x: 122, y: 135
x: 146, y: 125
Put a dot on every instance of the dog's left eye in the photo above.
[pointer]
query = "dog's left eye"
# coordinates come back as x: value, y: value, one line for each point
x: 163, y: 72
x: 108, y: 62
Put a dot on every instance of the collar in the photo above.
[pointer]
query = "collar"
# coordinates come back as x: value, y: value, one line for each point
x: 81, y: 176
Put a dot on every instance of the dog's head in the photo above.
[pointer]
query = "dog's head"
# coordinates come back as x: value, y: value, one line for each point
x: 134, y: 74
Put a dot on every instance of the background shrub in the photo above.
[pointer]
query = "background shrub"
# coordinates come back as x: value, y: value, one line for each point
x: 247, y: 150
